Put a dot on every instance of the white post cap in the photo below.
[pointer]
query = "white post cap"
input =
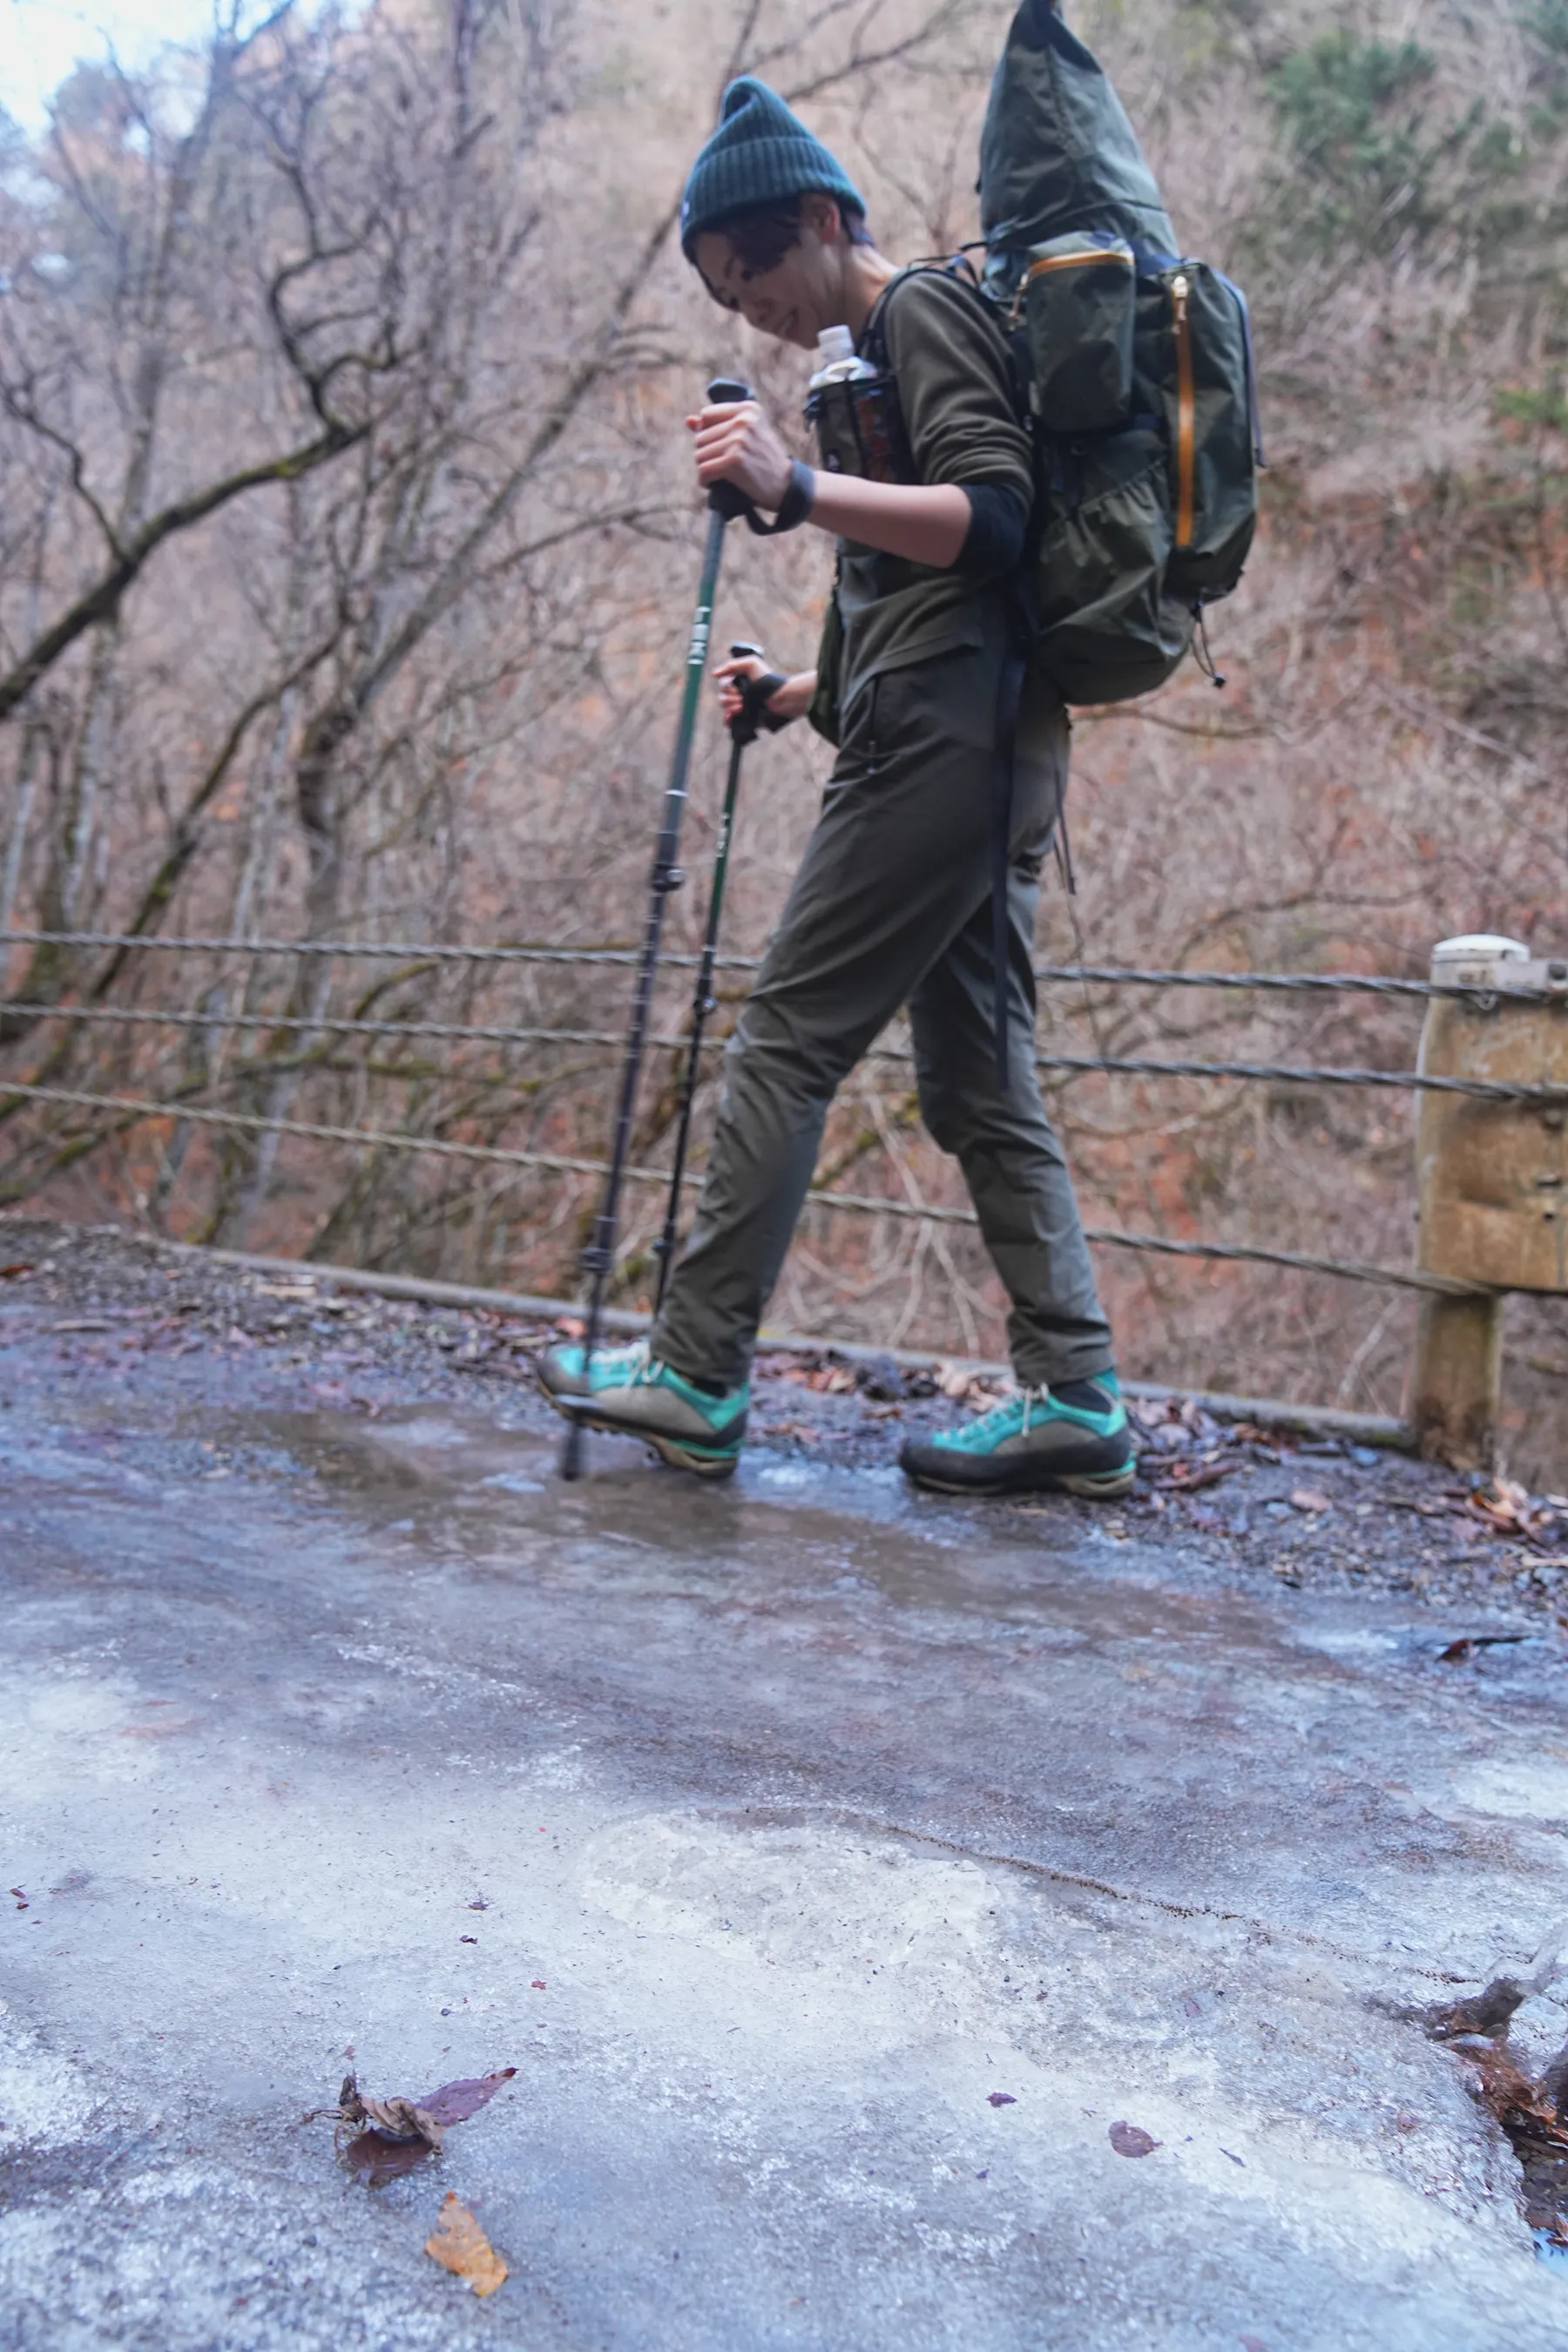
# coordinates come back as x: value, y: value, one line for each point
x: 1480, y: 946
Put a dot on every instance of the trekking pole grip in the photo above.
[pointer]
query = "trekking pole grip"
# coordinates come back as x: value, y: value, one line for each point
x: 724, y: 498
x: 753, y: 715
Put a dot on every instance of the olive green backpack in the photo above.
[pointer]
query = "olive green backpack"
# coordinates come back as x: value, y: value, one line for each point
x: 1135, y: 366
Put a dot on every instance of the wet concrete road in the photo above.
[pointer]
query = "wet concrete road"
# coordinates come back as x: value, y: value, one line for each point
x: 804, y: 1817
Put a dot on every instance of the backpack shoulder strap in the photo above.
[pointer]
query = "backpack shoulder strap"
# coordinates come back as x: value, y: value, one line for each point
x: 874, y: 336
x: 959, y: 270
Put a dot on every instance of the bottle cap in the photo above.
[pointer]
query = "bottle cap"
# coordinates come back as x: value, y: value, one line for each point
x: 834, y: 345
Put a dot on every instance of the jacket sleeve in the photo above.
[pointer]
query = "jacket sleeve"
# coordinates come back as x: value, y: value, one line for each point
x: 955, y: 387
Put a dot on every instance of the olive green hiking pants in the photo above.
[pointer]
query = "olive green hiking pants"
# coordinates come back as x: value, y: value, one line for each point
x: 892, y: 906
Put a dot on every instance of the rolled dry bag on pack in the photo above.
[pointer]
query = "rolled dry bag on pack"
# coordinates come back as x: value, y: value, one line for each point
x: 1058, y: 153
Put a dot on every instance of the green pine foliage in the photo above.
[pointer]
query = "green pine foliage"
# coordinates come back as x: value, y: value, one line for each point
x: 1368, y: 144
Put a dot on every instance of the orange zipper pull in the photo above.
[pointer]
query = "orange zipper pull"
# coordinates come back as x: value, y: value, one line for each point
x: 1186, y: 416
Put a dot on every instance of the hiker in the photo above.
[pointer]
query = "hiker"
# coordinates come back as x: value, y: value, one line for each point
x: 892, y: 904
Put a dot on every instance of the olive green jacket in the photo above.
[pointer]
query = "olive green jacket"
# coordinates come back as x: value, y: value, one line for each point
x: 955, y: 389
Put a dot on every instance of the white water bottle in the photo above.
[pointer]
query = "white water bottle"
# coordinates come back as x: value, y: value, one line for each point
x: 837, y: 360
x: 850, y: 403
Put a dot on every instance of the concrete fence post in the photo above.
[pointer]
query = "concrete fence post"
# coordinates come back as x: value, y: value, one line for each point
x: 1492, y: 1183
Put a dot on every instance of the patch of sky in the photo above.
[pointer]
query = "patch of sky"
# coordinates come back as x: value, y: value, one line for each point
x: 42, y: 40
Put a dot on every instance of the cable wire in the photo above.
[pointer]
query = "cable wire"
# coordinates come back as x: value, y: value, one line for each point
x: 856, y: 1204
x: 1282, y: 1073
x: 1120, y: 975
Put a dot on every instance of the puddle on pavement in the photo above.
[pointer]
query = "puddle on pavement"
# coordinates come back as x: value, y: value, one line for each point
x: 494, y: 1494
x: 434, y: 1489
x: 446, y: 1485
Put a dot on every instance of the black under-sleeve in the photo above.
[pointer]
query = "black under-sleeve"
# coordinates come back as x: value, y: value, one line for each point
x: 993, y: 542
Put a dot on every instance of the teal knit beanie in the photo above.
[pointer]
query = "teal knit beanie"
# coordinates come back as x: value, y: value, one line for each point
x: 760, y: 154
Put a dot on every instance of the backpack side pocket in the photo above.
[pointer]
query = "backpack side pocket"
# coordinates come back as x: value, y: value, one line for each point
x: 1107, y: 629
x: 1211, y: 419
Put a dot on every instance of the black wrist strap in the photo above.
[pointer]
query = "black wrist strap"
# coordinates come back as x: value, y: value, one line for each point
x: 793, y: 506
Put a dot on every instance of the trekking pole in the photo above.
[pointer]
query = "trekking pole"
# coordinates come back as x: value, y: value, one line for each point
x: 725, y: 502
x: 744, y: 729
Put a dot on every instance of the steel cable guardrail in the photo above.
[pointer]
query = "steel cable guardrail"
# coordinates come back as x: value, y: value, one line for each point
x: 1121, y: 975
x: 427, y: 953
x: 324, y: 1024
x: 856, y: 1204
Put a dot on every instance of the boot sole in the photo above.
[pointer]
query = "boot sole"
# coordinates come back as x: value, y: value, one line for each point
x: 1092, y: 1486
x: 673, y: 1450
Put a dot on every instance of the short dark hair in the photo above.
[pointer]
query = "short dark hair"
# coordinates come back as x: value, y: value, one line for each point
x: 761, y: 235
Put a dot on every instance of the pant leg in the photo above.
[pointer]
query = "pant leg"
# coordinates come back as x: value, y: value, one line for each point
x: 1011, y: 1160
x: 899, y: 862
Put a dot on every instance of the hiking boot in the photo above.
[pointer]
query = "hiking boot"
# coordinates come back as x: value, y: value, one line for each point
x: 630, y: 1391
x: 1033, y: 1443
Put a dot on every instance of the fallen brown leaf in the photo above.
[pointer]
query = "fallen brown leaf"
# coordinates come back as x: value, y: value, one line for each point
x: 453, y: 2103
x: 460, y: 2245
x: 1001, y: 2098
x: 1310, y: 1498
x: 1467, y: 1644
x: 380, y: 2157
x: 18, y: 1265
x: 405, y: 2118
x: 1131, y: 2139
x: 1187, y: 1477
x: 416, y: 2121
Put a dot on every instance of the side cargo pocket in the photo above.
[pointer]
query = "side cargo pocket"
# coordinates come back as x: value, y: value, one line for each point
x: 1211, y: 417
x: 822, y: 711
x: 1077, y: 300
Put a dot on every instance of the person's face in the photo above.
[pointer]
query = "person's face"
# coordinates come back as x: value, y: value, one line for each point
x: 797, y: 298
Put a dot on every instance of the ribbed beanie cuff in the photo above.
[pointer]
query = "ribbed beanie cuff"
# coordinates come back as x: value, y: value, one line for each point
x: 760, y: 154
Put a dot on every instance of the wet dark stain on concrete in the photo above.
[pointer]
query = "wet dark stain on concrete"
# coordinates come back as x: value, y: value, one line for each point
x: 723, y: 1770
